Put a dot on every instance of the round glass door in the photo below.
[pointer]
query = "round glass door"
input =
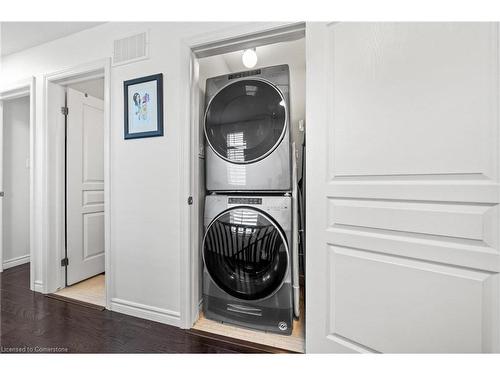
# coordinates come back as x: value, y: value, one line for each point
x: 245, y: 253
x: 246, y: 120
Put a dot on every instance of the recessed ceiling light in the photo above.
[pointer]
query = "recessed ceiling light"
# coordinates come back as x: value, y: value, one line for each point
x: 249, y: 58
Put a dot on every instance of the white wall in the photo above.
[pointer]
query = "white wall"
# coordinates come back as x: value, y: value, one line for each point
x: 145, y: 173
x: 16, y: 118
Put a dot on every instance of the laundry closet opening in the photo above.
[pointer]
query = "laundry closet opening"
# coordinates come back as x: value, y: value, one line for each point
x: 82, y: 256
x: 249, y: 194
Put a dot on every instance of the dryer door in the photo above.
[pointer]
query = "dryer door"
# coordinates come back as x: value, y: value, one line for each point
x: 246, y: 120
x: 245, y: 253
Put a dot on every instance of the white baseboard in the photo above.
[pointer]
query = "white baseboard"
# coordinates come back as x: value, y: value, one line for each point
x: 38, y: 287
x: 16, y: 261
x: 146, y: 312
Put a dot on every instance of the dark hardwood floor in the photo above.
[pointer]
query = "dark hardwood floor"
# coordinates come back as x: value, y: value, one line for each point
x: 31, y: 322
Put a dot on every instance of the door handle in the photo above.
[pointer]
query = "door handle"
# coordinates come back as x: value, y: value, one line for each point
x: 1, y: 194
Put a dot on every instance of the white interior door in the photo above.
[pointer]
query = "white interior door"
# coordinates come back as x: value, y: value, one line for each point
x: 84, y: 186
x: 403, y: 187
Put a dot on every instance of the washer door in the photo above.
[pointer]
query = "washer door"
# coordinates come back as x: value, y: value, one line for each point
x: 245, y: 253
x: 246, y: 120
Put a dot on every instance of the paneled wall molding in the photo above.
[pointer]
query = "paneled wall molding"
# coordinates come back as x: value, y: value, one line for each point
x: 438, y: 191
x: 409, y: 197
x: 424, y: 290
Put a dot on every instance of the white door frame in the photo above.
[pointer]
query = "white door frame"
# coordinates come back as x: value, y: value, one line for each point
x: 22, y: 88
x: 247, y: 35
x: 52, y: 272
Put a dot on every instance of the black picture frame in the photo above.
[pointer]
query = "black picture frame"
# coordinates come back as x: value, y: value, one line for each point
x: 159, y: 106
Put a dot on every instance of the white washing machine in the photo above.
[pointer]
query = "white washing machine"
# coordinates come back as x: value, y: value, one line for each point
x: 247, y: 131
x: 247, y: 277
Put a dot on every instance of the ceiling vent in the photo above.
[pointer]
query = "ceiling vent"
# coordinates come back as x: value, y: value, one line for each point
x: 130, y: 49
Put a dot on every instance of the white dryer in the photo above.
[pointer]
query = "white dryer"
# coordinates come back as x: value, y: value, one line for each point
x: 247, y: 131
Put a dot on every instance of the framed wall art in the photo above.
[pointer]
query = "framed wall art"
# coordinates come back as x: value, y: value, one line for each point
x: 143, y: 107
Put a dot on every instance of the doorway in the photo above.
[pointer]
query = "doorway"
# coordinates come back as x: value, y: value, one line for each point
x: 77, y: 110
x: 17, y: 115
x: 286, y: 49
x: 84, y: 192
x: 15, y: 169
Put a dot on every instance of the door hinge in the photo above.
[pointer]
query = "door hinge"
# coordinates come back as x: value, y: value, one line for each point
x: 64, y: 262
x: 64, y: 111
x: 190, y: 201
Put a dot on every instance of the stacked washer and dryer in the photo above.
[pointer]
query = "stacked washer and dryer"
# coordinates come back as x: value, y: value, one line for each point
x: 249, y: 268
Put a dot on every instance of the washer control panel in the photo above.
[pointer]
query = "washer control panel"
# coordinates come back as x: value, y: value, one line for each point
x: 264, y: 203
x: 244, y: 201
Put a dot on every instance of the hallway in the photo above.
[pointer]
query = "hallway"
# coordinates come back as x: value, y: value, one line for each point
x: 30, y: 322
